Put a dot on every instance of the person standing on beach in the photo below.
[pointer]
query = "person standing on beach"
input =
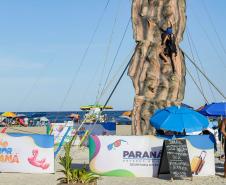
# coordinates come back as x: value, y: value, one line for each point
x: 223, y: 130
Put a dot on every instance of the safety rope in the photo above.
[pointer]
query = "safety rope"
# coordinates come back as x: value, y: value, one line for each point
x: 93, y: 77
x: 200, y: 90
x: 200, y: 62
x: 98, y: 117
x: 117, y: 52
x: 214, y: 27
x: 204, y: 75
x: 193, y: 57
x: 112, y: 92
x: 108, y: 50
x: 94, y: 124
x: 75, y: 135
x: 116, y: 74
x: 209, y: 40
x: 84, y: 55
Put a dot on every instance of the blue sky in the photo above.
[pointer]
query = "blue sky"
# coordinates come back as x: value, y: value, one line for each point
x: 42, y: 44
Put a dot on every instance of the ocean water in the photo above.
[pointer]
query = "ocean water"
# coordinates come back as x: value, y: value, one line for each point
x: 59, y: 117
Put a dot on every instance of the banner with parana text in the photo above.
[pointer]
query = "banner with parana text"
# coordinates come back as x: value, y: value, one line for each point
x: 139, y: 156
x: 26, y: 153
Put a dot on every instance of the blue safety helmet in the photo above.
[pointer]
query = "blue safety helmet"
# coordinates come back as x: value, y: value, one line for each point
x: 169, y: 30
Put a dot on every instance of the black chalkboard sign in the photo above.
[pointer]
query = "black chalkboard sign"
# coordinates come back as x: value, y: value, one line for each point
x: 175, y: 160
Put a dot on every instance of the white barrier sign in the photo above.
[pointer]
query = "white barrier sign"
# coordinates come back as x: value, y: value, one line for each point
x: 26, y: 153
x: 139, y: 156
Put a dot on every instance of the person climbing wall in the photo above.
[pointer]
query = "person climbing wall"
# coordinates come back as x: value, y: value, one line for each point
x: 169, y: 46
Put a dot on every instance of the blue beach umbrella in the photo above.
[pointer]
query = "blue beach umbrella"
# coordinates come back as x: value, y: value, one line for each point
x: 214, y: 109
x: 179, y: 119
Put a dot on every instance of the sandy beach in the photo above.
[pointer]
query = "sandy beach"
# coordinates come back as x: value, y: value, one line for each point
x: 80, y: 156
x: 140, y: 82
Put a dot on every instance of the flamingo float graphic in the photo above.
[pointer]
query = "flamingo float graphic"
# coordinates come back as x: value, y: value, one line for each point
x: 38, y: 163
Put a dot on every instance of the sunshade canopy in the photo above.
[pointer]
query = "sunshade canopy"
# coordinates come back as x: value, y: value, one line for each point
x: 88, y: 107
x: 179, y: 119
x: 9, y: 114
x: 214, y: 109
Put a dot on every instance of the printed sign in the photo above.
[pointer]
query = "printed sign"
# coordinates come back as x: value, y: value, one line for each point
x: 201, y: 155
x: 130, y: 155
x: 139, y: 156
x: 175, y: 159
x: 27, y: 153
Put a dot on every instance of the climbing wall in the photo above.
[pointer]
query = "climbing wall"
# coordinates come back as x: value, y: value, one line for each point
x: 156, y: 85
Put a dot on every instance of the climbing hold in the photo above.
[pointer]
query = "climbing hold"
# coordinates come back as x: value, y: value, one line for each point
x: 173, y: 77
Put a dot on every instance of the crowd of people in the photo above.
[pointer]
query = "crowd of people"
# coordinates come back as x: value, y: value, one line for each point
x: 25, y: 122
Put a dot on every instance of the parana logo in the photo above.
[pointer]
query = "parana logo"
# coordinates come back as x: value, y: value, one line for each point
x: 116, y: 144
x: 142, y: 154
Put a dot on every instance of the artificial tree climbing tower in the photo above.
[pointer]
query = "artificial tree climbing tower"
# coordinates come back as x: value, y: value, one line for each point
x: 155, y: 82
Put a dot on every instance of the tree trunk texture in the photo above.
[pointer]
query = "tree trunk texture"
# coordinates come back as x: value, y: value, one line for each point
x: 156, y: 85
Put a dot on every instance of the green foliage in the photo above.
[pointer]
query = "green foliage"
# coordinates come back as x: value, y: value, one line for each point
x: 74, y: 175
x: 83, y: 176
x: 65, y: 162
